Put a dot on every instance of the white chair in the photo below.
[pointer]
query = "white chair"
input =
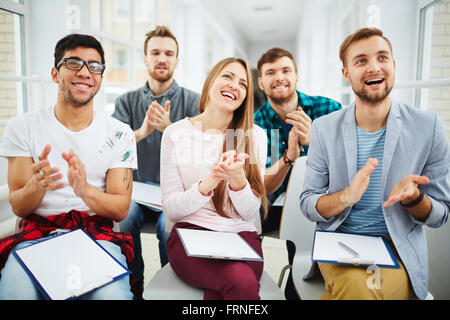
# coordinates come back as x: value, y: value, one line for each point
x: 439, y: 261
x: 166, y: 285
x: 296, y: 228
x: 6, y: 225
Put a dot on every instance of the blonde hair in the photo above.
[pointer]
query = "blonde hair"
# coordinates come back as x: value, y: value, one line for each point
x: 242, y: 120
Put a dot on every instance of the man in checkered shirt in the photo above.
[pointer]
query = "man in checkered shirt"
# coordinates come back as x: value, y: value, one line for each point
x: 286, y: 117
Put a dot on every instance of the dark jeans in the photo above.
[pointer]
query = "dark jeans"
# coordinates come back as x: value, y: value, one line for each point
x: 133, y: 224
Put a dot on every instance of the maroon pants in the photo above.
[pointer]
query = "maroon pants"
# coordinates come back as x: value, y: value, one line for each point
x: 221, y: 279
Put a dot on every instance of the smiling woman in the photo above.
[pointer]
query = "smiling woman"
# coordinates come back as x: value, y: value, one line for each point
x: 211, y: 184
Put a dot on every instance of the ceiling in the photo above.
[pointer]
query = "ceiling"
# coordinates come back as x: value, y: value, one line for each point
x: 264, y: 20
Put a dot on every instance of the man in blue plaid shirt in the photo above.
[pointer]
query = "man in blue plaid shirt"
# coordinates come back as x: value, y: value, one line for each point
x: 287, y: 118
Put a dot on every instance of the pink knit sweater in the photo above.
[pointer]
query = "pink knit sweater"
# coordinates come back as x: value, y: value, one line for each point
x: 187, y: 157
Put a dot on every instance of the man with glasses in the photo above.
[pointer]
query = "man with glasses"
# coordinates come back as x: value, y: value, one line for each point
x: 143, y: 110
x: 68, y: 167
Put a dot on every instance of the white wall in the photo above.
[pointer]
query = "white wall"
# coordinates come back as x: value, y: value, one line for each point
x: 399, y: 25
x: 257, y: 49
x: 201, y: 26
x: 323, y: 29
x: 3, y: 171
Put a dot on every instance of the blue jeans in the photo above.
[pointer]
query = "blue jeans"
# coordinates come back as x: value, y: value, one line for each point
x: 133, y: 224
x: 15, y: 284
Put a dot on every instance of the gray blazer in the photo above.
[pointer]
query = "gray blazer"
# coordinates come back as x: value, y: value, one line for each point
x: 416, y: 143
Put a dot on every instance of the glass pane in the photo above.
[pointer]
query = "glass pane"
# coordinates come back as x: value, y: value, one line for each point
x: 9, y: 41
x: 144, y: 20
x: 439, y: 101
x: 111, y: 94
x: 10, y: 64
x: 439, y: 98
x: 95, y: 14
x: 116, y: 17
x: 8, y: 105
x: 117, y: 61
x: 141, y: 70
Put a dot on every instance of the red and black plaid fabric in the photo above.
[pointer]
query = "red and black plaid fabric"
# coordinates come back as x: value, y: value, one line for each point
x: 35, y: 227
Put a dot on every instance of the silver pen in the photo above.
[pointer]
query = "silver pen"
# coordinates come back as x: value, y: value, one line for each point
x: 354, y: 253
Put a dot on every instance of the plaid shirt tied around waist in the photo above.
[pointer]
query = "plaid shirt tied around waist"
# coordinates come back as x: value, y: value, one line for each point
x: 35, y: 227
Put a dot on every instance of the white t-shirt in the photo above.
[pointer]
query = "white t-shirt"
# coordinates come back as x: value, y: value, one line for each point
x: 105, y: 144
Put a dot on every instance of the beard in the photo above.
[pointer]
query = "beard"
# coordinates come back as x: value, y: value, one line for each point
x: 283, y: 99
x: 161, y: 77
x: 68, y: 96
x: 374, y: 98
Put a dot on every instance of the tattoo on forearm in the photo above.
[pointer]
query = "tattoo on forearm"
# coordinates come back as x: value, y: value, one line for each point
x: 126, y: 179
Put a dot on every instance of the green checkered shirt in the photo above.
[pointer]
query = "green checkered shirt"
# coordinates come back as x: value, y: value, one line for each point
x: 268, y: 119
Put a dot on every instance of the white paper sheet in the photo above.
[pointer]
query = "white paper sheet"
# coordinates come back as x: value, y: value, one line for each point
x: 216, y: 245
x: 69, y: 265
x: 147, y: 194
x: 371, y: 249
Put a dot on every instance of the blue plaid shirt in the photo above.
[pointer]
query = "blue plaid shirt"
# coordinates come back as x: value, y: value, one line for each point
x: 268, y: 119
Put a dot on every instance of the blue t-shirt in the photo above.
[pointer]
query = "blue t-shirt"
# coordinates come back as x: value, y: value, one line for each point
x: 366, y: 216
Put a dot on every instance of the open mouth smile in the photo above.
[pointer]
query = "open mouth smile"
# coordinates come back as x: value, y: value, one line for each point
x: 81, y: 85
x: 376, y: 81
x: 229, y: 95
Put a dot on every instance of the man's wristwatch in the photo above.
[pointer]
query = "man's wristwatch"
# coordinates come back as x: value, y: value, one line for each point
x: 286, y: 160
x: 415, y: 202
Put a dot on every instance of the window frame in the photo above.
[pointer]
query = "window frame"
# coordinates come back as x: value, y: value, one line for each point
x: 19, y: 9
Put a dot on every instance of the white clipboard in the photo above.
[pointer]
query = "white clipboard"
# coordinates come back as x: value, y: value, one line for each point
x: 69, y: 265
x: 148, y: 194
x: 352, y: 249
x: 216, y: 245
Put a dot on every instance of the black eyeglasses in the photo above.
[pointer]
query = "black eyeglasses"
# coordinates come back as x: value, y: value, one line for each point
x: 77, y: 64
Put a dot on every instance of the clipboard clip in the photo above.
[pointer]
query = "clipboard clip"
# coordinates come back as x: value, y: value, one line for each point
x: 356, y: 262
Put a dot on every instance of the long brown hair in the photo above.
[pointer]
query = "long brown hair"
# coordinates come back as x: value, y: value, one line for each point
x: 242, y: 121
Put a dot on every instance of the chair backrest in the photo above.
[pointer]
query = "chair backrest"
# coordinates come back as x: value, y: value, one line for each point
x: 294, y: 226
x: 439, y: 261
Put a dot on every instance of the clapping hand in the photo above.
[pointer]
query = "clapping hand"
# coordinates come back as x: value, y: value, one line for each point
x: 301, y: 123
x: 44, y: 175
x: 159, y: 117
x: 76, y: 173
x: 231, y: 169
x: 406, y: 190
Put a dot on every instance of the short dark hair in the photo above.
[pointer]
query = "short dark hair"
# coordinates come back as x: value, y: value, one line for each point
x: 160, y: 31
x: 273, y: 55
x: 75, y: 40
x: 360, y: 34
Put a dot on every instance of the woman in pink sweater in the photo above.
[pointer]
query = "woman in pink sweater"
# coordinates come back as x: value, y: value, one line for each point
x: 212, y: 169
